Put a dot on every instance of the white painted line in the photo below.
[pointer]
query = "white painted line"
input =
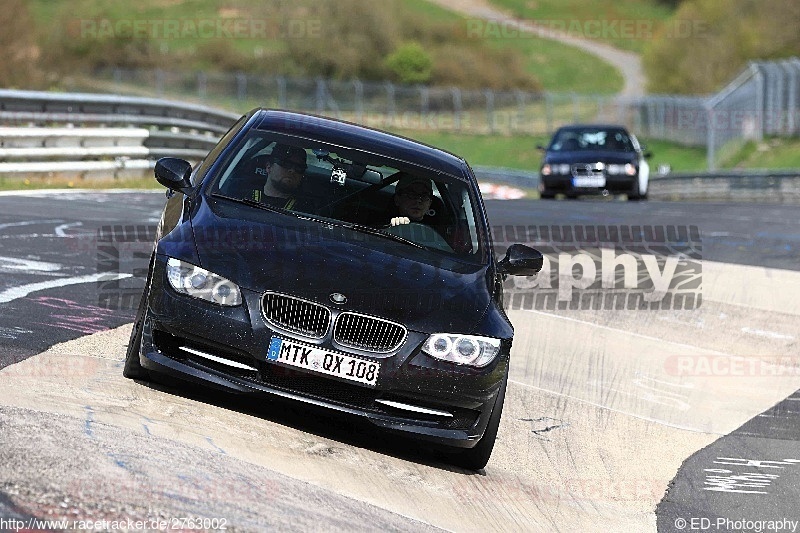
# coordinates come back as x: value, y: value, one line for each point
x: 38, y: 193
x: 769, y: 334
x: 626, y: 332
x: 60, y: 229
x: 640, y: 417
x: 28, y: 222
x: 28, y: 265
x: 9, y: 295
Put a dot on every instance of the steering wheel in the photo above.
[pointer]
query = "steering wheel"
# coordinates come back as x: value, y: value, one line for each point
x: 420, y: 234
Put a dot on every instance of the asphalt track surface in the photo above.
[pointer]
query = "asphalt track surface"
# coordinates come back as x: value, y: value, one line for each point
x: 738, y: 469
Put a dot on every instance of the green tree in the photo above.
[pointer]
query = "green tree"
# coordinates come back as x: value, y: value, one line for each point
x: 410, y: 63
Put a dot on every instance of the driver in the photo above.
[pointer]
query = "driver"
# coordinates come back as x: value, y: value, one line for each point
x: 413, y: 196
x: 285, y: 172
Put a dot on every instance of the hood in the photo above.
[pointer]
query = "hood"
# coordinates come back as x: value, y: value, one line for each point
x: 582, y: 156
x: 263, y: 251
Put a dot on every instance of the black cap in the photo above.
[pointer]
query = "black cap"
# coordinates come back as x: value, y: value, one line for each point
x: 286, y: 152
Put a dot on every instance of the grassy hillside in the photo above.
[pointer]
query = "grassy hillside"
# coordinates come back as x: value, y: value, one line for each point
x: 625, y: 24
x: 391, y: 39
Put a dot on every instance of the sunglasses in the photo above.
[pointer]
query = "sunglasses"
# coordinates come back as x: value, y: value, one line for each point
x: 415, y: 196
x: 298, y: 167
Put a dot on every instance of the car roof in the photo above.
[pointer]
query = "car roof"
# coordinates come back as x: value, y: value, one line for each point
x: 338, y: 132
x: 593, y: 126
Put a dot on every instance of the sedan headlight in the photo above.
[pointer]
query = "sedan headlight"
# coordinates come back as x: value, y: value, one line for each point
x: 200, y: 283
x: 628, y: 169
x: 462, y: 349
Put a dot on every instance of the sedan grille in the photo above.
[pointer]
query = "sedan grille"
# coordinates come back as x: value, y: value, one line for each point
x: 588, y: 169
x: 368, y: 333
x: 296, y: 315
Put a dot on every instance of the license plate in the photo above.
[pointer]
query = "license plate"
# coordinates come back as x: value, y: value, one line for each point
x: 323, y: 361
x: 589, y: 181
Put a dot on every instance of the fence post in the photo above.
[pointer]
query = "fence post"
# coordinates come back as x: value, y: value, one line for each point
x: 759, y: 105
x: 390, y: 102
x: 241, y: 86
x: 159, y: 75
x: 490, y: 122
x: 791, y: 111
x: 202, y: 85
x: 711, y: 148
x: 575, y: 108
x: 359, y: 100
x: 320, y: 96
x: 456, y: 92
x: 281, y: 81
x: 424, y: 105
x: 520, y: 98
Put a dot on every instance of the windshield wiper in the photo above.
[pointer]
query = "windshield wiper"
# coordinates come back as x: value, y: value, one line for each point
x: 307, y: 216
x: 251, y: 203
x: 379, y: 233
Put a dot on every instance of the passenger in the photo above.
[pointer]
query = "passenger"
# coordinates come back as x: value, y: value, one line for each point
x: 413, y: 197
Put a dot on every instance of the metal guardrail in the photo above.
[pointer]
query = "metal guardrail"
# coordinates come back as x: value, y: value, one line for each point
x: 768, y: 186
x: 46, y: 133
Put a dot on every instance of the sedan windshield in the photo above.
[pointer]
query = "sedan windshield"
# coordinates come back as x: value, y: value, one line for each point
x: 572, y: 139
x: 362, y: 191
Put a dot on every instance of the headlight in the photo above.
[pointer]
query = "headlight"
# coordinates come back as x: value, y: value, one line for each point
x: 546, y: 170
x: 628, y: 169
x: 462, y: 349
x: 561, y: 169
x: 200, y: 283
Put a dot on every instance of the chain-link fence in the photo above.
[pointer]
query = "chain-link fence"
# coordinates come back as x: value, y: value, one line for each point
x: 762, y: 101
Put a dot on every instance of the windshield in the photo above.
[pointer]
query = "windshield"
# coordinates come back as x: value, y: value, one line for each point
x: 569, y: 140
x: 364, y: 191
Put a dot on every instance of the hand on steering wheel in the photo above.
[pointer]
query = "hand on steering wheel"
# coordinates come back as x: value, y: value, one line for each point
x: 396, y: 221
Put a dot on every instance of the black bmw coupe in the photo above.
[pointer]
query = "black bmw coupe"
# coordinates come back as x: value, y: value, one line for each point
x: 335, y: 265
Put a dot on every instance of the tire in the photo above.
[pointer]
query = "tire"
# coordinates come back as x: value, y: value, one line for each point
x: 547, y: 195
x: 477, y: 457
x: 635, y: 196
x: 133, y: 368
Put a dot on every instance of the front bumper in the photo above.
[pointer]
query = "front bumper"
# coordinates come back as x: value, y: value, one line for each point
x: 562, y: 183
x: 415, y: 394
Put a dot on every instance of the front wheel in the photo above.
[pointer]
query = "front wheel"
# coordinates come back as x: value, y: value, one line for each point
x: 477, y: 457
x: 133, y: 368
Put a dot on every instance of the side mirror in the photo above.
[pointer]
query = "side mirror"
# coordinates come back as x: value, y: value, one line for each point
x: 648, y: 155
x: 540, y: 147
x: 521, y: 260
x: 174, y: 173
